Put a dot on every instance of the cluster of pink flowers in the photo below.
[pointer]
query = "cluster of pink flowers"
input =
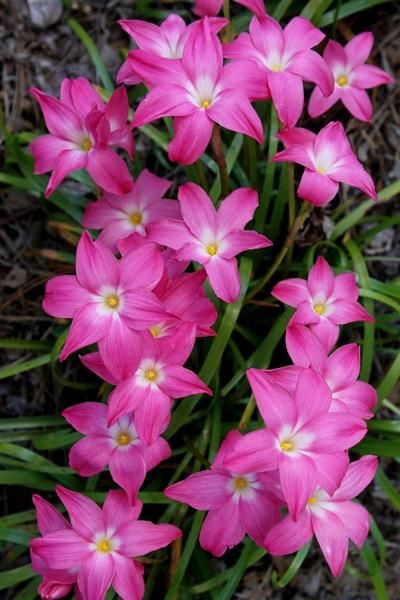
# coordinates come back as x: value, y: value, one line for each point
x: 133, y: 298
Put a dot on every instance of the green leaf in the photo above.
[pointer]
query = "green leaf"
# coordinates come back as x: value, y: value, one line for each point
x: 238, y: 571
x: 14, y: 576
x: 15, y: 536
x: 375, y: 571
x: 388, y: 488
x: 21, y: 367
x: 294, y: 567
x: 390, y: 379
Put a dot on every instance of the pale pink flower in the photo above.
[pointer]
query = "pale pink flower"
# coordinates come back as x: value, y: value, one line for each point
x: 83, y: 132
x: 120, y: 215
x: 332, y: 518
x: 118, y: 446
x: 286, y: 59
x: 109, y: 300
x: 328, y: 160
x: 212, y: 238
x: 303, y: 440
x: 323, y: 301
x: 237, y: 504
x: 352, y: 77
x: 101, y: 543
x: 199, y: 91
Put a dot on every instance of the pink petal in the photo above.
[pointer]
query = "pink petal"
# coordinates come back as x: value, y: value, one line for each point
x: 327, y: 333
x: 369, y: 76
x: 317, y: 189
x: 60, y: 120
x: 126, y: 73
x: 237, y: 209
x: 102, y: 166
x: 128, y: 580
x: 254, y: 452
x: 291, y: 291
x: 359, y: 398
x: 240, y: 241
x: 300, y: 34
x: 320, y: 104
x: 206, y: 490
x: 321, y: 279
x: 94, y: 363
x: 332, y: 144
x: 124, y: 399
x: 192, y: 134
x: 305, y: 315
x: 141, y: 537
x: 128, y: 469
x: 233, y: 111
x: 346, y: 311
x: 331, y: 469
x: 267, y: 36
x: 240, y: 47
x: 120, y: 349
x: 258, y: 516
x: 285, y: 377
x: 89, y: 455
x: 153, y: 416
x: 207, y: 7
x: 332, y: 539
x: 118, y: 510
x: 172, y: 233
x: 98, y: 214
x: 86, y: 516
x: 298, y: 477
x: 310, y: 66
x: 359, y: 48
x: 80, y: 95
x: 357, y: 103
x: 65, y: 163
x: 74, y: 549
x: 163, y: 101
x: 49, y: 519
x: 297, y: 136
x: 333, y: 432
x: 180, y: 382
x: 310, y: 387
x: 296, y: 153
x: 202, y: 55
x: 160, y: 72
x: 117, y: 109
x: 64, y: 296
x: 304, y: 347
x: 146, y: 35
x: 359, y: 474
x: 355, y: 175
x: 256, y: 6
x: 253, y: 79
x: 287, y: 95
x: 142, y: 310
x: 99, y: 568
x: 150, y: 187
x: 289, y: 536
x: 156, y: 453
x: 45, y: 150
x: 343, y: 367
x: 88, y: 326
x: 335, y: 55
x: 345, y: 287
x: 355, y: 520
x: 221, y: 529
x: 89, y: 418
x: 197, y: 209
x: 176, y: 348
x: 134, y: 276
x: 276, y: 405
x: 96, y: 266
x: 227, y: 446
x: 223, y: 274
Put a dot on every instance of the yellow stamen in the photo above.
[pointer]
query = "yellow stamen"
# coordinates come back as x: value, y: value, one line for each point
x: 136, y: 218
x: 112, y: 301
x: 151, y: 374
x: 312, y: 500
x: 286, y: 446
x: 205, y: 104
x: 123, y: 439
x: 276, y: 68
x: 155, y: 331
x: 104, y: 546
x: 321, y: 170
x: 240, y: 484
x: 212, y: 249
x: 86, y: 145
x: 342, y: 80
x: 319, y: 309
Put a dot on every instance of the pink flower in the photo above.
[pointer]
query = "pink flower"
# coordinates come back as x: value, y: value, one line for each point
x: 237, y: 504
x: 207, y: 7
x: 323, y: 301
x: 167, y: 40
x: 333, y: 518
x: 118, y: 446
x: 83, y: 131
x: 212, y: 238
x: 286, y: 59
x: 303, y: 440
x: 352, y: 77
x: 108, y: 300
x: 328, y: 159
x: 199, y: 91
x: 101, y: 544
x: 56, y: 583
x: 120, y: 215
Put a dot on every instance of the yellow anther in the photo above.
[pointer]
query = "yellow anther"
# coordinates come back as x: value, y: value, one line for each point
x: 312, y: 500
x: 286, y: 446
x: 212, y: 249
x: 276, y: 68
x: 319, y: 309
x: 151, y: 374
x: 112, y: 301
x: 240, y: 484
x: 86, y: 145
x: 155, y: 331
x: 136, y: 218
x: 321, y: 170
x: 205, y: 104
x: 104, y: 546
x: 342, y: 80
x: 123, y: 439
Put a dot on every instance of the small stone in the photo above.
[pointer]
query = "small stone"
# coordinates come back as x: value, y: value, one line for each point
x: 44, y: 12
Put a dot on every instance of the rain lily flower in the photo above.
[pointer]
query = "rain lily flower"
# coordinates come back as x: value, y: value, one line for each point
x: 83, y: 132
x: 56, y: 583
x: 199, y: 91
x: 352, y: 78
x: 303, y: 440
x: 328, y: 159
x: 118, y: 446
x: 333, y: 518
x: 286, y: 59
x: 109, y: 300
x: 120, y: 215
x: 237, y: 504
x: 101, y: 543
x: 212, y: 238
x: 323, y: 301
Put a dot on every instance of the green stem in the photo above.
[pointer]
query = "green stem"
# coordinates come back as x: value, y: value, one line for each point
x: 228, y: 31
x: 216, y: 145
x: 298, y: 223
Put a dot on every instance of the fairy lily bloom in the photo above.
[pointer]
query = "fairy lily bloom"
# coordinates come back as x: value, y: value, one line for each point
x: 303, y: 440
x: 237, y: 504
x: 212, y: 238
x: 352, y: 78
x: 323, y: 301
x: 109, y: 300
x: 199, y: 91
x: 101, y: 543
x: 120, y: 215
x: 286, y: 59
x: 83, y: 132
x: 328, y: 160
x: 332, y: 518
x: 118, y: 446
x: 56, y: 583
x: 167, y: 40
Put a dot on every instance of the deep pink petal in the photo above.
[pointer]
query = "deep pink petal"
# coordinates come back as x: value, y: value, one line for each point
x: 291, y: 291
x: 331, y: 469
x: 320, y: 104
x: 49, y: 519
x: 197, y: 209
x: 237, y: 209
x: 258, y: 516
x: 180, y: 382
x: 117, y: 109
x: 80, y: 95
x: 346, y: 311
x: 359, y: 48
x: 310, y: 66
x: 128, y: 469
x: 332, y: 539
x: 103, y: 165
x: 149, y: 187
x: 120, y: 349
x: 202, y: 55
x: 221, y: 529
x: 305, y: 314
x: 359, y: 399
x: 369, y: 76
x: 124, y: 399
x: 146, y: 35
x: 332, y: 145
x: 289, y: 536
x: 156, y: 453
x: 297, y: 136
x: 316, y: 188
x: 355, y: 520
x: 75, y: 549
x: 312, y: 396
x: 94, y: 363
x: 256, y: 6
x: 89, y: 418
x: 142, y: 310
x: 86, y: 516
x: 88, y: 326
x: 298, y: 477
x: 160, y: 72
x: 162, y: 101
x: 192, y: 134
x: 304, y: 347
x: 300, y: 34
x: 227, y: 446
x: 357, y: 103
x: 207, y: 7
x: 118, y: 510
x: 321, y: 280
x: 172, y: 233
x: 253, y: 79
x: 327, y: 333
x: 255, y: 451
x: 240, y: 241
x: 223, y: 274
x: 287, y: 95
x: 152, y: 417
x: 65, y: 163
x: 355, y: 175
x: 206, y: 490
x: 359, y: 474
x: 141, y: 537
x: 333, y: 432
x: 276, y: 405
x: 45, y: 150
x: 128, y: 580
x: 96, y: 266
x: 98, y: 568
x: 60, y: 120
x: 134, y: 276
x: 285, y: 377
x: 89, y: 455
x: 64, y: 296
x: 296, y: 153
x: 343, y: 367
x: 233, y: 111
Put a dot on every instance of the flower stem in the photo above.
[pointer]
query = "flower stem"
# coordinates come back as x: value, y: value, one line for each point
x: 228, y: 31
x: 247, y: 413
x: 216, y: 145
x: 298, y: 223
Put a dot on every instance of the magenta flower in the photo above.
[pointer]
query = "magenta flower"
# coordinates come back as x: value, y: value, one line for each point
x: 207, y: 8
x: 352, y: 77
x: 323, y: 301
x: 101, y: 543
x: 328, y: 159
x: 118, y: 446
x: 167, y: 40
x: 119, y: 216
x: 303, y: 440
x: 199, y: 91
x: 83, y: 131
x: 286, y: 59
x: 237, y: 504
x: 334, y: 519
x: 212, y: 238
x: 109, y: 300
